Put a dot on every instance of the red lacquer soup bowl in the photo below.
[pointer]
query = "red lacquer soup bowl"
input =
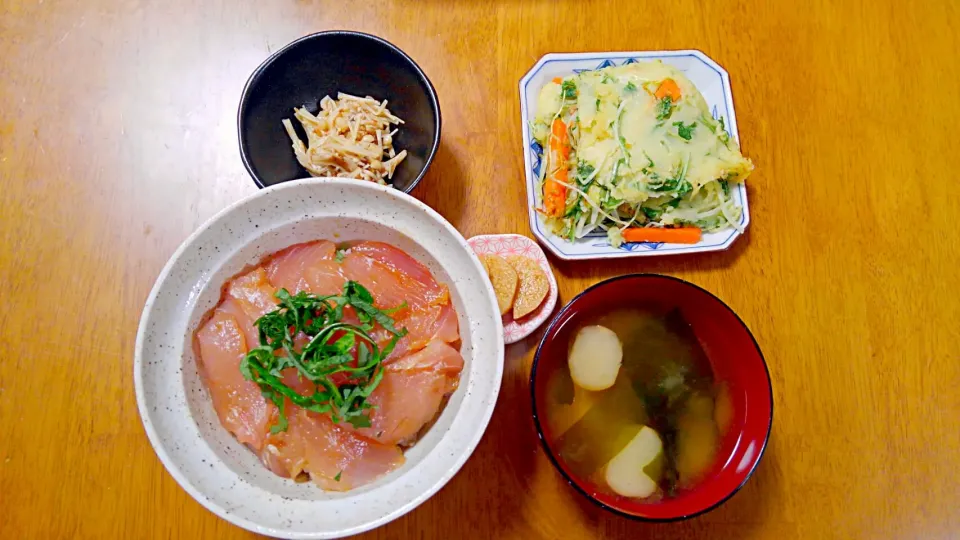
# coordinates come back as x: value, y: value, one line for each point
x: 736, y: 361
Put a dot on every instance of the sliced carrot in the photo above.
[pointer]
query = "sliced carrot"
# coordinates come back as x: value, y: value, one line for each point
x: 679, y: 235
x: 555, y: 189
x: 668, y: 88
x: 559, y: 140
x: 557, y: 80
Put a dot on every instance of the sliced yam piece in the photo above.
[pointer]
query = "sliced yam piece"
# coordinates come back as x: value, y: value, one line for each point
x: 534, y: 285
x: 594, y: 439
x: 411, y: 393
x: 595, y: 358
x: 637, y: 469
x: 336, y: 459
x: 393, y: 277
x: 504, y: 278
x: 237, y: 401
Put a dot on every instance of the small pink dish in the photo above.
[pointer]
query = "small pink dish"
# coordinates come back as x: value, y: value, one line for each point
x: 514, y: 244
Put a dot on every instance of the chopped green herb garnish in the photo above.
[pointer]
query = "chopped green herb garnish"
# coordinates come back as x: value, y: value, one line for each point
x: 725, y: 186
x: 649, y: 161
x: 598, y: 104
x: 669, y: 185
x: 335, y: 347
x: 630, y: 87
x: 724, y: 136
x: 678, y: 184
x: 584, y: 171
x: 651, y: 213
x: 685, y: 132
x: 621, y: 141
x: 569, y: 90
x: 340, y: 254
x: 574, y: 211
x: 611, y: 202
x: 606, y: 78
x: 615, y: 172
x: 664, y: 108
x: 708, y: 122
x: 337, y: 477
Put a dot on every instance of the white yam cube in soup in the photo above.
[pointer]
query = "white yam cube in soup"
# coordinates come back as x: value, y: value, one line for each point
x: 636, y: 470
x: 595, y: 358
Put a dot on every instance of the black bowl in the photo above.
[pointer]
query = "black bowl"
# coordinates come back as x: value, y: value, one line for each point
x: 322, y: 64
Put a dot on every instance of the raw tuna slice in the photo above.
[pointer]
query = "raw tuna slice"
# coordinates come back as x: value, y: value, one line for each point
x: 247, y: 298
x: 411, y: 392
x: 310, y: 267
x: 253, y: 292
x: 433, y: 323
x: 238, y: 402
x: 393, y: 277
x: 335, y: 458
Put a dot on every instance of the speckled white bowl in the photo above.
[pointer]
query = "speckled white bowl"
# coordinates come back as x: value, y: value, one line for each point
x: 176, y: 410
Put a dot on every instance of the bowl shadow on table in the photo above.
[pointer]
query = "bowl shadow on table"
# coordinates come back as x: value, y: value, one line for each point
x: 667, y: 264
x: 736, y: 518
x: 443, y: 187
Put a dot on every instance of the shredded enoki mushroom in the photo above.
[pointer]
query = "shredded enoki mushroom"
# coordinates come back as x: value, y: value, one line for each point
x: 350, y: 137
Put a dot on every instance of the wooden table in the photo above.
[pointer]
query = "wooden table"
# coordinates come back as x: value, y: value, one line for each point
x: 118, y: 138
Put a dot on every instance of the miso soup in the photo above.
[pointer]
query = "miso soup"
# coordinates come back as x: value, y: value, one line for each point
x: 636, y: 410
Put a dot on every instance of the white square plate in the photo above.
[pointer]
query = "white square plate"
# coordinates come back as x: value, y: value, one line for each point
x: 712, y: 81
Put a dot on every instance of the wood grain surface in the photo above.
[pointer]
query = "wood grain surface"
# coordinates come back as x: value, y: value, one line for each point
x: 118, y: 138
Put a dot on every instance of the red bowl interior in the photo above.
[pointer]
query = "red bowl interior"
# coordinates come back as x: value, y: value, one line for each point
x: 734, y: 355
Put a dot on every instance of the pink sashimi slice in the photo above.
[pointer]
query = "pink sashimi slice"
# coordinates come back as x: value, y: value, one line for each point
x: 396, y: 259
x: 310, y: 267
x: 393, y: 277
x: 248, y: 297
x: 238, y: 402
x: 411, y: 392
x: 336, y: 459
x: 433, y: 323
x: 254, y: 293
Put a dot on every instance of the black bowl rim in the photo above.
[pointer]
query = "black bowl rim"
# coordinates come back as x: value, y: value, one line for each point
x: 257, y: 73
x: 553, y: 459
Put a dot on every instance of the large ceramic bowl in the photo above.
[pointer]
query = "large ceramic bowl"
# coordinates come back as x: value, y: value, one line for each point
x: 735, y: 359
x: 175, y: 407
